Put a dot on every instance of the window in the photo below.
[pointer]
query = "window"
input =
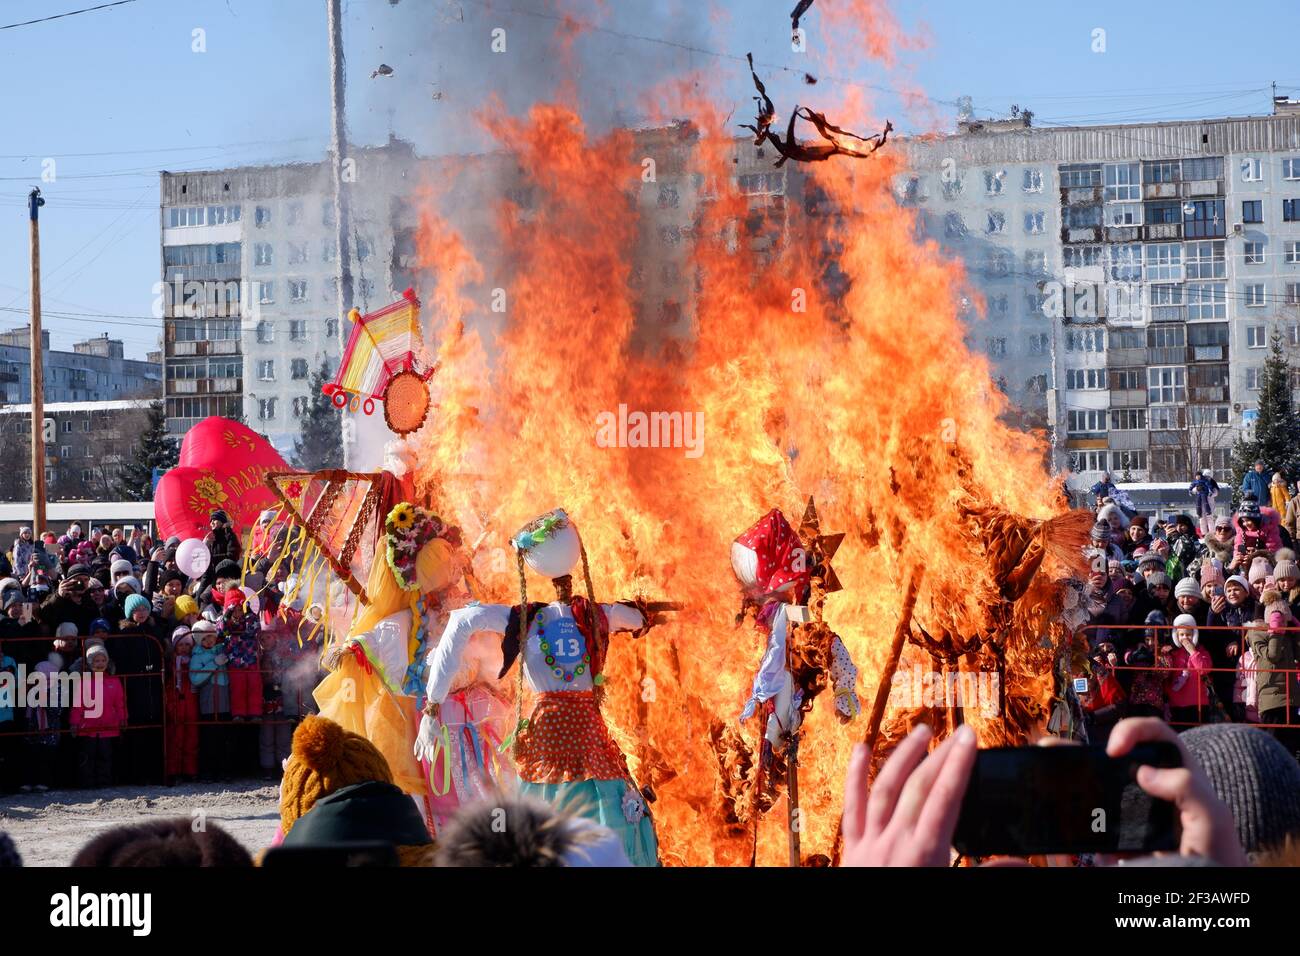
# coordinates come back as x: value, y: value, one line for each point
x: 298, y: 369
x: 1291, y: 252
x: 331, y: 328
x: 300, y: 406
x: 1254, y: 253
x: 1163, y: 213
x: 329, y: 250
x: 1081, y: 217
x: 1256, y: 337
x: 1082, y: 421
x: 262, y: 254
x: 1122, y: 183
x: 1207, y: 300
x: 1083, y: 379
x: 1291, y: 168
x: 1036, y: 263
x: 1252, y: 170
x: 295, y: 213
x: 1164, y: 262
x: 993, y: 182
x: 1135, y: 460
x: 1085, y: 340
x: 1088, y: 461
x: 1167, y: 419
x: 1160, y: 172
x: 367, y: 287
x: 1077, y: 257
x: 1128, y: 419
x: 262, y: 215
x: 1033, y: 181
x: 85, y: 422
x: 297, y: 253
x: 953, y: 225
x: 266, y: 292
x: 1253, y: 376
x: 997, y: 305
x: 1127, y: 379
x: 1125, y: 263
x: 1293, y: 334
x: 266, y: 370
x: 1080, y: 176
x: 1124, y: 214
x: 995, y: 347
x: 1291, y: 210
x: 1166, y: 337
x: 364, y: 248
x: 1204, y: 219
x: 265, y: 332
x: 997, y: 223
x: 1199, y: 169
x: 327, y: 213
x: 1292, y: 296
x: 1207, y: 414
x: 297, y: 330
x: 1205, y: 260
x: 1038, y: 344
x: 298, y: 290
x: 266, y: 409
x: 1252, y: 210
x: 1202, y: 335
x: 1255, y: 295
x: 1166, y: 384
x: 1034, y: 223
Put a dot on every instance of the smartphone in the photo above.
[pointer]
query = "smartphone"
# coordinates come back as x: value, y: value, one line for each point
x: 1218, y: 590
x: 1029, y: 800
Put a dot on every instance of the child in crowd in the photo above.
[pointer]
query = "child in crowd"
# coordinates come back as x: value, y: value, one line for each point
x: 182, y: 711
x: 211, y: 682
x: 239, y: 630
x: 43, y: 726
x: 98, y: 726
x: 1189, y: 700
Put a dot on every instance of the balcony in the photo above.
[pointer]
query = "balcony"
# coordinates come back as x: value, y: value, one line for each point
x: 1128, y: 439
x: 1168, y: 313
x: 1126, y: 358
x: 1162, y: 230
x: 1122, y: 233
x: 183, y: 386
x: 224, y: 347
x: 1081, y: 196
x: 216, y: 272
x: 1128, y: 398
x: 1171, y: 355
x: 1160, y: 191
x: 1203, y: 187
x: 1208, y: 395
x: 1209, y: 353
x: 185, y: 348
x: 224, y: 385
x: 1168, y: 439
x: 1081, y: 234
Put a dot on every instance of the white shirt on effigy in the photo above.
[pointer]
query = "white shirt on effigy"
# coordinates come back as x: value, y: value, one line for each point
x: 562, y: 634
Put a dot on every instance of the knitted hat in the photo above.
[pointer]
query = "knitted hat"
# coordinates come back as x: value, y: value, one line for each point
x: 1286, y: 569
x: 1255, y: 776
x: 78, y: 571
x: 1223, y: 522
x: 93, y: 650
x: 1139, y: 520
x: 133, y: 603
x: 324, y: 758
x: 131, y: 580
x: 1211, y: 574
x: 1157, y: 618
x: 99, y: 624
x: 1186, y: 620
x: 219, y: 516
x: 66, y: 629
x: 120, y: 566
x: 1249, y: 509
x: 1151, y: 557
x: 228, y: 569
x: 179, y: 633
x: 1101, y: 531
x: 1158, y: 579
x: 1239, y: 580
x: 1259, y: 570
x: 185, y: 605
x: 203, y: 627
x: 233, y: 597
x: 1187, y: 588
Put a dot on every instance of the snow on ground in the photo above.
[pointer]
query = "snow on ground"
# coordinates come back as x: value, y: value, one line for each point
x: 49, y: 828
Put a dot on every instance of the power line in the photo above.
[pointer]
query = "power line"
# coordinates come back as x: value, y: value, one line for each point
x: 70, y: 13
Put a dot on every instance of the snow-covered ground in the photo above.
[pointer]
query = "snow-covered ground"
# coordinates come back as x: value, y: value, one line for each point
x: 49, y: 828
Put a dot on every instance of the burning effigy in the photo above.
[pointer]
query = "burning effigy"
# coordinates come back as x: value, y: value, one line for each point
x: 853, y: 384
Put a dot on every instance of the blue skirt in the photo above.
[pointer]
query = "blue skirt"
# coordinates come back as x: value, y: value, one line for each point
x: 602, y: 801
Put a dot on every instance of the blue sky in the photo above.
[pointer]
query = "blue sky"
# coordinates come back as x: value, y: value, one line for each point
x: 114, y: 96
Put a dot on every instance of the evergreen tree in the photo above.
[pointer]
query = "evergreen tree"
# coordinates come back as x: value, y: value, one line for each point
x: 321, y: 444
x: 1276, y: 439
x: 154, y: 449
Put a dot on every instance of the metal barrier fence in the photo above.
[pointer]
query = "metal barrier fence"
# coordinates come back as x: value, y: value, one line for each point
x: 1205, y: 712
x: 292, y: 710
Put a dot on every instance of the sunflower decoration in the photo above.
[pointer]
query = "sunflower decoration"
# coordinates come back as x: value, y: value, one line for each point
x: 409, y: 529
x: 401, y: 519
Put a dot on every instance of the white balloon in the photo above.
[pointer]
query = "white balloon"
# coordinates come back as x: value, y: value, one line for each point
x: 193, y: 557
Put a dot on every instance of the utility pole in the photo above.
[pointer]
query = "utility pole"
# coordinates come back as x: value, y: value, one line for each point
x: 34, y: 203
x: 338, y: 144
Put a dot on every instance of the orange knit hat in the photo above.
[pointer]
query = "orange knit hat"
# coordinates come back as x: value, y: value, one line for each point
x: 325, y: 758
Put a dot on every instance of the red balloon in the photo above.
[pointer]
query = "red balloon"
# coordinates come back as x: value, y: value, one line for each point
x: 222, y: 465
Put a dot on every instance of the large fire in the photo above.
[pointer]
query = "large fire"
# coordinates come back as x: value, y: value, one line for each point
x: 868, y: 401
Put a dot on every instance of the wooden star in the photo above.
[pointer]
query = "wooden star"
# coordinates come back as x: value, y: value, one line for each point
x: 820, y: 547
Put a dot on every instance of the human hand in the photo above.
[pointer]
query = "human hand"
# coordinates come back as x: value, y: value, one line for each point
x: 1218, y: 603
x: 1207, y: 827
x: 426, y: 740
x: 1232, y: 650
x: 908, y: 818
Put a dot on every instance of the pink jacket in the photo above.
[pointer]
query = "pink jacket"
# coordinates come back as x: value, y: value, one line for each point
x: 112, y: 712
x: 1187, y: 687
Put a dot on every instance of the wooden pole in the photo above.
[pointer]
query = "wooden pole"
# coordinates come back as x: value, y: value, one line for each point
x: 35, y: 202
x: 794, y: 823
x: 891, y: 665
x: 342, y: 217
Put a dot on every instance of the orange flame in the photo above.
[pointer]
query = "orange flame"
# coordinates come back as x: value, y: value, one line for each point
x: 865, y: 397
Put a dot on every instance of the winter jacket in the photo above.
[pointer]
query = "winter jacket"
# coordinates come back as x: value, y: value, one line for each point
x: 1183, y: 550
x: 137, y: 652
x: 1187, y: 687
x: 112, y: 706
x: 1220, y: 551
x: 1275, y: 653
x: 1280, y: 497
x: 1255, y: 483
x: 1268, y: 538
x: 1148, y: 688
x: 23, y: 551
x: 1202, y: 489
x: 210, y: 680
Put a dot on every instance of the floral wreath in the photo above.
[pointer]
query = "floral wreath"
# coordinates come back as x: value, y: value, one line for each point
x: 536, y: 532
x: 409, y: 529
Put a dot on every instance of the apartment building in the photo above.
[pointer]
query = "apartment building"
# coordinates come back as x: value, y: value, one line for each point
x: 1141, y: 303
x: 96, y: 370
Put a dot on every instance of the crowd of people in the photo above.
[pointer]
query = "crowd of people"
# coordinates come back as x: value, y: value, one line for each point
x: 202, y: 678
x: 1193, y: 619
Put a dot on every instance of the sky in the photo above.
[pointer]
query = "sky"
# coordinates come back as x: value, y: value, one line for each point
x: 113, y: 96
